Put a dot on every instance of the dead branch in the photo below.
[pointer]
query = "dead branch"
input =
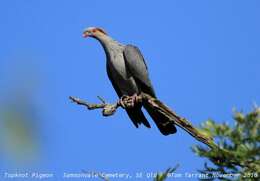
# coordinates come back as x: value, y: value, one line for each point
x: 107, y: 109
x: 110, y: 109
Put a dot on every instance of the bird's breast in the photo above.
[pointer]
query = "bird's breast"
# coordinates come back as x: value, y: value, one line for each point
x: 117, y: 63
x: 120, y: 75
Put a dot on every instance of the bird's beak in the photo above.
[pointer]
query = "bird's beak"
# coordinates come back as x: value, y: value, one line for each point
x: 86, y: 34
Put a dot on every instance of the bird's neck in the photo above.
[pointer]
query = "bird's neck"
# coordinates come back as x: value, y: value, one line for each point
x: 108, y: 44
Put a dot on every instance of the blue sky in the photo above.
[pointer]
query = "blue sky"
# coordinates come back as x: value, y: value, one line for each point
x: 203, y: 59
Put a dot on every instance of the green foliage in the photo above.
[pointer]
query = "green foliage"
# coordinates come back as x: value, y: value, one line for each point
x: 238, y: 149
x: 163, y: 176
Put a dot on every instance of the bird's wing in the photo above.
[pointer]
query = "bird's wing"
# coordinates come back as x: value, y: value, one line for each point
x: 135, y: 64
x: 135, y: 114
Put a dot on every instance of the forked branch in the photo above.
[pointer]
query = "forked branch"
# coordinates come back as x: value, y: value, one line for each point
x: 110, y: 109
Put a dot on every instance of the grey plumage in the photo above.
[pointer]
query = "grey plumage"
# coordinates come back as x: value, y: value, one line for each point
x: 127, y: 71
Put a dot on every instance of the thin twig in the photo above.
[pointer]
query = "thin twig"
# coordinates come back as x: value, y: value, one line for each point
x: 107, y: 109
x: 101, y: 99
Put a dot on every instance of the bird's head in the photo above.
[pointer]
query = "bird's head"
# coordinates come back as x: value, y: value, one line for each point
x: 93, y: 32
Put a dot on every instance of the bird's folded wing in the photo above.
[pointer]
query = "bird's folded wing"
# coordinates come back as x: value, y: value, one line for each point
x: 135, y: 64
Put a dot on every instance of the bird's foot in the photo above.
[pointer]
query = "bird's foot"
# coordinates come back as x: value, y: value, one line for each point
x: 129, y: 101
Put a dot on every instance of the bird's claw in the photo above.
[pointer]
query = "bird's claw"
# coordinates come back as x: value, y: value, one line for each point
x: 127, y: 102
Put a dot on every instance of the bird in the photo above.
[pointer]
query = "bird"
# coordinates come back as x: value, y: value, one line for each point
x: 128, y: 73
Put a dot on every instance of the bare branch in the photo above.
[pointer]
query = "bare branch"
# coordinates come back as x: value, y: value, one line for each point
x: 107, y: 109
x: 110, y: 109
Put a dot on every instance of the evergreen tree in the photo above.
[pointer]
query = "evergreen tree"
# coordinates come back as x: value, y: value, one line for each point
x: 238, y: 149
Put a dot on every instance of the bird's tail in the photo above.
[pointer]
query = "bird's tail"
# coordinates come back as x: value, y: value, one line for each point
x: 137, y: 116
x: 164, y: 124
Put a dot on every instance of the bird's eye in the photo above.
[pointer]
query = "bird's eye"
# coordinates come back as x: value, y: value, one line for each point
x: 94, y: 30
